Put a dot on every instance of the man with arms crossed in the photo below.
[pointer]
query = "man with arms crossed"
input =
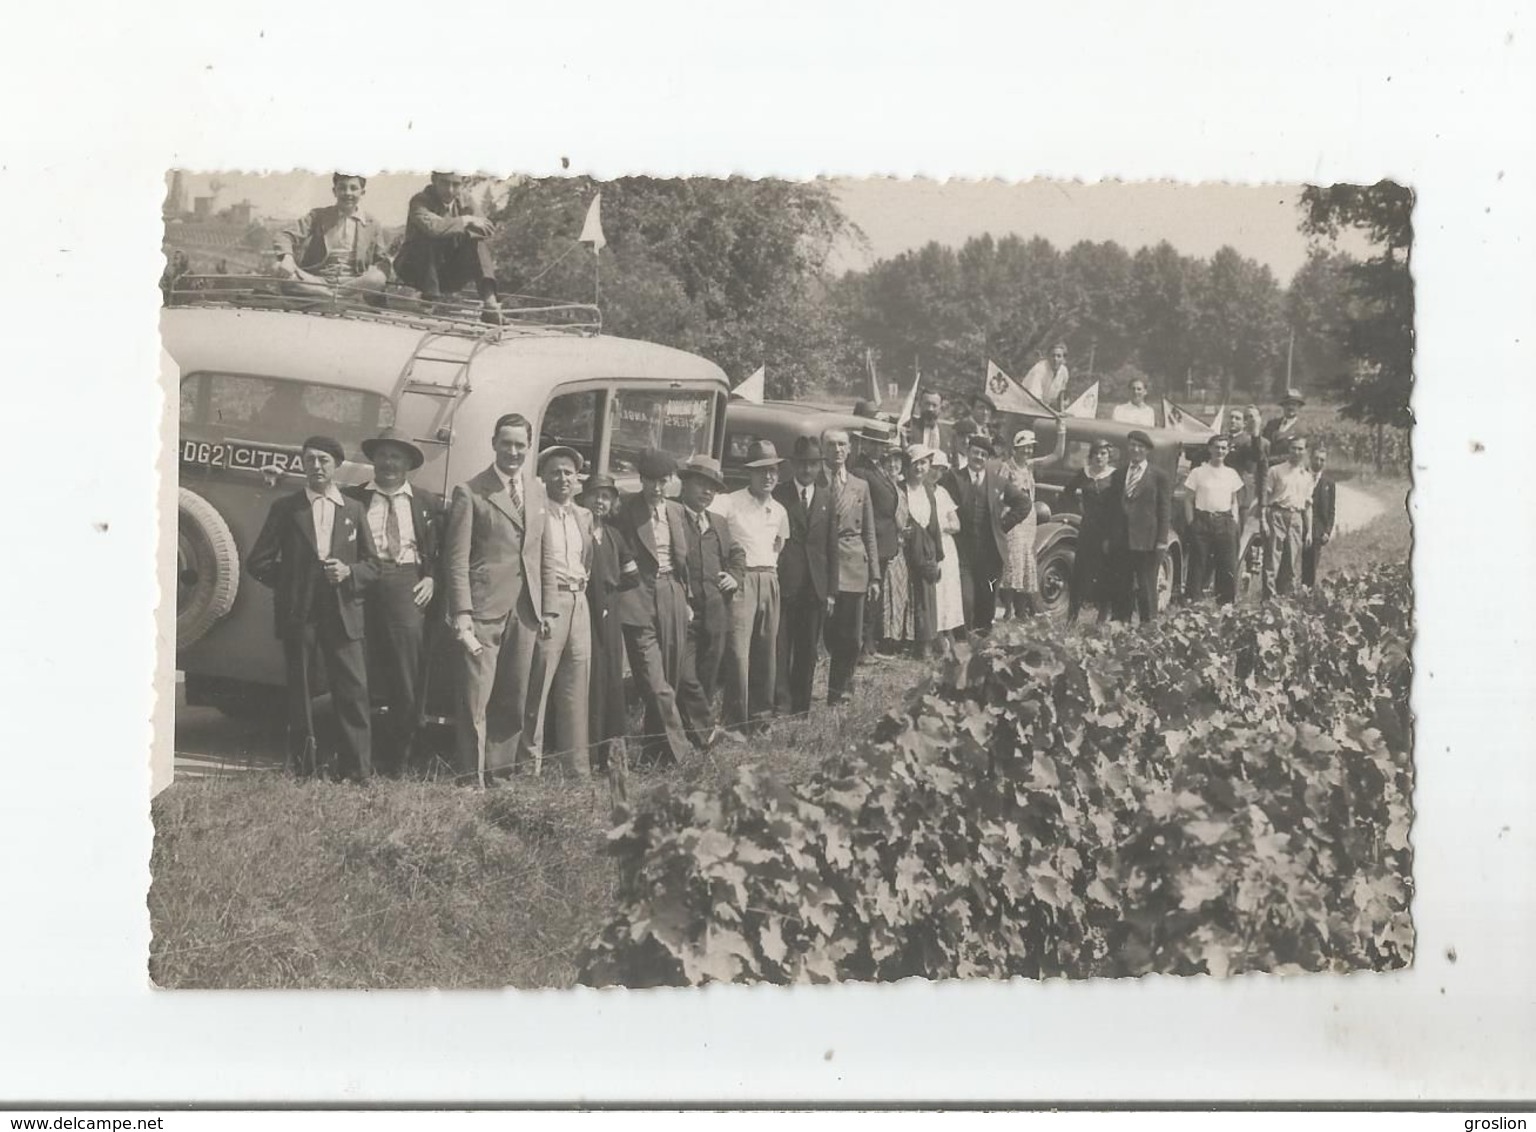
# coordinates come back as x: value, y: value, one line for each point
x: 854, y: 572
x: 559, y: 680
x: 494, y: 558
x: 316, y: 554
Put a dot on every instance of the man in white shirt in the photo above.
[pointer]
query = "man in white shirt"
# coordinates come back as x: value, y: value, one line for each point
x: 560, y: 678
x: 759, y: 528
x: 317, y: 555
x: 406, y: 527
x: 1211, y: 512
x: 1136, y: 411
x: 1047, y: 379
x: 337, y: 244
x: 1288, y: 518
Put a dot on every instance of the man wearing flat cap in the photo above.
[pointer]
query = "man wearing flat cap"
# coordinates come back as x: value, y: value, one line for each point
x: 713, y: 577
x: 759, y: 526
x: 560, y: 678
x: 405, y: 523
x: 654, y: 611
x: 804, y: 574
x: 494, y: 561
x: 316, y: 554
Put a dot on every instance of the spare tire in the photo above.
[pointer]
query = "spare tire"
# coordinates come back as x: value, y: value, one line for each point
x: 207, y: 567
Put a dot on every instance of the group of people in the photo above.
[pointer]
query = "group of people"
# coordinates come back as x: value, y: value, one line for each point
x: 530, y: 592
x: 443, y: 250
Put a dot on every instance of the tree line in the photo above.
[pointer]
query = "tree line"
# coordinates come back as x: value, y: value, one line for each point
x: 738, y: 270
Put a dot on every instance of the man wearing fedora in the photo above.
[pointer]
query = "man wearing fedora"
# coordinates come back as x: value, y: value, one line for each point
x: 759, y: 526
x: 613, y: 571
x: 559, y: 680
x: 1281, y: 430
x: 804, y: 572
x: 854, y: 568
x: 405, y: 525
x: 654, y: 611
x: 316, y: 553
x: 713, y: 576
x: 493, y: 565
x: 1140, y: 517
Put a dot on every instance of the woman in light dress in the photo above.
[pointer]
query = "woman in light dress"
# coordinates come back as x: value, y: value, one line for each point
x: 923, y: 548
x: 949, y: 611
x: 1018, y: 589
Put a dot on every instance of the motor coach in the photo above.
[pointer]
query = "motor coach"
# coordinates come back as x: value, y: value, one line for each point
x: 260, y: 371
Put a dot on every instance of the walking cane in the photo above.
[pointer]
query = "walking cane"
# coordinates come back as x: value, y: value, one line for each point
x: 308, y: 761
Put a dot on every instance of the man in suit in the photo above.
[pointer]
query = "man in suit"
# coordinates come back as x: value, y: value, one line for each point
x: 872, y: 466
x: 495, y: 528
x: 1323, y: 504
x: 854, y: 567
x: 989, y: 505
x: 713, y: 577
x: 926, y: 429
x: 654, y: 611
x: 404, y: 523
x: 1281, y: 430
x: 805, y: 567
x: 445, y: 245
x: 559, y: 680
x: 613, y: 571
x: 337, y: 243
x: 1142, y: 512
x: 316, y: 554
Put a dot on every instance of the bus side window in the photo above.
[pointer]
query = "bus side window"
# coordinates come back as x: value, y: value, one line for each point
x: 572, y: 419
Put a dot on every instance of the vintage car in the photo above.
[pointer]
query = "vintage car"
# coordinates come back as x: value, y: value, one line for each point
x: 1056, y: 538
x: 784, y: 422
x: 260, y: 371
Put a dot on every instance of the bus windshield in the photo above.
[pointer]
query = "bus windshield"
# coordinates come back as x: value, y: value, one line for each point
x: 679, y: 422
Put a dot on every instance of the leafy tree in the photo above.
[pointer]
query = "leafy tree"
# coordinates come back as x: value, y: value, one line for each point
x: 1377, y: 336
x: 1165, y: 287
x: 731, y: 269
x: 1317, y: 306
x: 1239, y: 323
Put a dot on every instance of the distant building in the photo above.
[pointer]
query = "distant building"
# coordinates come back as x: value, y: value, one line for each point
x: 202, y: 208
x: 239, y: 214
x: 175, y: 206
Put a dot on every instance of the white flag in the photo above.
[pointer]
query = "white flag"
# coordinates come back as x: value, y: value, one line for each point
x: 1221, y: 416
x: 1087, y: 404
x: 751, y: 389
x: 1179, y: 420
x: 908, y: 405
x: 592, y: 228
x: 1008, y: 396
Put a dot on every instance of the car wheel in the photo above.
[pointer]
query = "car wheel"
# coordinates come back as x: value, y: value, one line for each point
x: 207, y: 567
x: 1167, y: 577
x: 1054, y: 572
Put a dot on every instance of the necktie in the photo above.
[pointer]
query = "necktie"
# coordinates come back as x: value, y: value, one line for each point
x: 391, y: 529
x: 1132, y: 478
x: 805, y: 498
x: 516, y: 486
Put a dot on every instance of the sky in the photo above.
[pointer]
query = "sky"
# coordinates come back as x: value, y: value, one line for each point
x: 1260, y: 221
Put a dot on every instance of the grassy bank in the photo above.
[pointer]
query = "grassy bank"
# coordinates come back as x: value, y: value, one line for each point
x: 262, y: 882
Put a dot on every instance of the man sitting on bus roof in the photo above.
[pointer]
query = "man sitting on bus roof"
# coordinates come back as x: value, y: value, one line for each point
x: 444, y: 247
x: 336, y: 243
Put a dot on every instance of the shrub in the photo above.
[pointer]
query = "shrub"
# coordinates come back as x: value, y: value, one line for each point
x: 1226, y: 790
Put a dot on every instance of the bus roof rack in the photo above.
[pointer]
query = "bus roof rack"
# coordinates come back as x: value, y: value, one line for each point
x: 520, y: 314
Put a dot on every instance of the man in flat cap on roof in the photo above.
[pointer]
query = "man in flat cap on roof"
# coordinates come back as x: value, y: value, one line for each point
x: 316, y: 553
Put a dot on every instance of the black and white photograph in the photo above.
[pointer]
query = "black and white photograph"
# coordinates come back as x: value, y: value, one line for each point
x: 658, y: 582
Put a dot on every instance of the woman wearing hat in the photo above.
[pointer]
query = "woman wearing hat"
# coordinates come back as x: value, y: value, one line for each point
x: 894, y: 608
x: 1018, y: 588
x: 924, y: 550
x: 950, y: 608
x: 613, y: 570
x: 1089, y: 492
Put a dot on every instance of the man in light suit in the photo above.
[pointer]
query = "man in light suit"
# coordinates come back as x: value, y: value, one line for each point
x: 495, y: 528
x: 316, y: 554
x: 1140, y: 516
x: 561, y: 677
x: 405, y: 523
x: 714, y: 575
x: 989, y: 505
x: 654, y: 611
x: 805, y: 564
x: 854, y: 565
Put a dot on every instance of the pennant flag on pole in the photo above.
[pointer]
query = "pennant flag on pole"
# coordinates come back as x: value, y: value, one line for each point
x: 1180, y: 420
x: 874, y: 380
x: 1221, y: 416
x: 592, y: 228
x: 750, y: 389
x: 908, y: 405
x: 1008, y: 396
x: 1087, y: 404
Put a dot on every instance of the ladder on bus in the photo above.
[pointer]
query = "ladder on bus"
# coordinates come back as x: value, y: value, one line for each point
x: 432, y: 383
